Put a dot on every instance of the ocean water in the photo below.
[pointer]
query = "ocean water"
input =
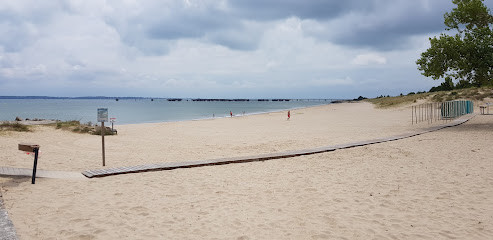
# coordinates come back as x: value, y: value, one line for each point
x: 131, y: 111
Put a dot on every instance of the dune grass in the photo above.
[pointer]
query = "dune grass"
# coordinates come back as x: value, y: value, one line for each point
x: 477, y: 94
x: 385, y: 102
x: 16, y: 127
x: 77, y: 127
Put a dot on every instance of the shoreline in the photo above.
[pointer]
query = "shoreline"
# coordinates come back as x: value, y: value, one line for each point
x: 226, y: 117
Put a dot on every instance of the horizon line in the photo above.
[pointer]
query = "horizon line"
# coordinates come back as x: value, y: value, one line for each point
x: 133, y: 97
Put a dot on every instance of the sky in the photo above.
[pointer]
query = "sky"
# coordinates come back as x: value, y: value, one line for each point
x: 216, y: 48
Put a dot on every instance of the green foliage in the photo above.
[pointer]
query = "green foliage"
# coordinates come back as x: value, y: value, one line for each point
x: 76, y: 127
x: 359, y: 98
x: 67, y: 124
x: 445, y: 86
x: 468, y: 55
x: 97, y: 131
x: 17, y: 127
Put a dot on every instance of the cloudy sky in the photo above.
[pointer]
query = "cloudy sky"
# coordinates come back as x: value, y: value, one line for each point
x: 216, y: 48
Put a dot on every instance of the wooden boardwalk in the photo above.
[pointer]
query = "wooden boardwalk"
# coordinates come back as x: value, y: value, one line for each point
x: 262, y: 157
x: 10, y: 171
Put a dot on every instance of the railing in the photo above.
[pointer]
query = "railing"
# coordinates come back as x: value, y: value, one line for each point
x: 444, y: 111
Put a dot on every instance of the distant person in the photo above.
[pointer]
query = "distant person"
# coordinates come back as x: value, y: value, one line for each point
x: 289, y: 115
x: 231, y: 113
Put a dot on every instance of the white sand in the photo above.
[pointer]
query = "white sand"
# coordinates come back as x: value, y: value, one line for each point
x: 196, y: 140
x: 434, y: 186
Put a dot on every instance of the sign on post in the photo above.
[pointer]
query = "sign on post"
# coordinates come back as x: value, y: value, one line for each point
x: 112, y: 120
x: 32, y: 148
x: 102, y: 114
x: 102, y: 117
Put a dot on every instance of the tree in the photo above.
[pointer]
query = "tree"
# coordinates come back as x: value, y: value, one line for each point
x: 445, y: 86
x: 468, y: 55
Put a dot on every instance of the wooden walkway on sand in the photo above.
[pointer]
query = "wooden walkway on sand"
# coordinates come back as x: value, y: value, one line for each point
x: 262, y: 157
x: 10, y: 171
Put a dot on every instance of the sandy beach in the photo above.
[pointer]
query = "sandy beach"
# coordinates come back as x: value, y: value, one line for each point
x: 434, y: 186
x: 195, y: 140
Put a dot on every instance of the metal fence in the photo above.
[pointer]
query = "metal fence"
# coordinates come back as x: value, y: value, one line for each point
x: 443, y: 111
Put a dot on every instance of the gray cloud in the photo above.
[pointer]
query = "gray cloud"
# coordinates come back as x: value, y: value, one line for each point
x: 191, y: 23
x: 233, y: 47
x: 313, y: 9
x: 391, y: 28
x: 377, y: 24
x: 19, y: 22
x: 152, y: 26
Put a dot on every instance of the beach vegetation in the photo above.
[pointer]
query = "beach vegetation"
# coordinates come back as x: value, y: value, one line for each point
x: 67, y: 124
x: 16, y: 127
x: 385, y: 102
x: 78, y: 127
x: 467, y: 55
x: 360, y: 98
x: 97, y: 131
x: 474, y: 93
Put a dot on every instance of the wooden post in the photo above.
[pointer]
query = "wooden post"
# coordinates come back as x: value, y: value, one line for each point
x: 416, y: 113
x: 426, y: 112
x: 36, y: 151
x: 103, y: 117
x: 421, y: 112
x: 102, y: 138
x: 430, y: 112
x: 422, y: 115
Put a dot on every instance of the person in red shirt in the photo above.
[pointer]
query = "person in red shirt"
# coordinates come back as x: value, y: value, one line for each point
x: 289, y: 115
x: 231, y: 113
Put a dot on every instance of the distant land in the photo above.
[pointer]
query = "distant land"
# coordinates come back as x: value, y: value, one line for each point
x: 48, y: 97
x: 174, y: 99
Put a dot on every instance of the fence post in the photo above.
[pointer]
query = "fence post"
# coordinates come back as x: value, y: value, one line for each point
x: 431, y: 113
x: 416, y: 113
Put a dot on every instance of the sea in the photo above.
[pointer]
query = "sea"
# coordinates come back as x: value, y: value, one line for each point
x: 144, y: 110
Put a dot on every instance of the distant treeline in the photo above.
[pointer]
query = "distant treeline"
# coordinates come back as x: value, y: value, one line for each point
x: 448, y: 85
x: 219, y: 100
x: 234, y: 100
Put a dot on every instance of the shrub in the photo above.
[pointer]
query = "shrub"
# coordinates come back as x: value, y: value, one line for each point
x: 17, y: 127
x: 97, y: 131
